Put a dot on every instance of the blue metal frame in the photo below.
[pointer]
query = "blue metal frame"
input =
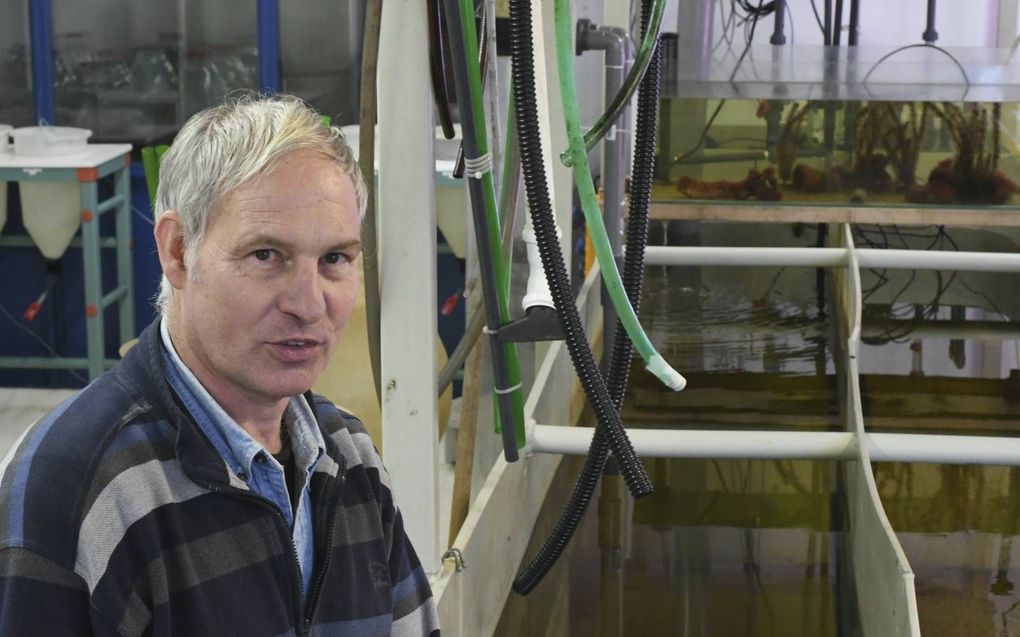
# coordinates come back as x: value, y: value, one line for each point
x: 269, y: 46
x: 42, y: 61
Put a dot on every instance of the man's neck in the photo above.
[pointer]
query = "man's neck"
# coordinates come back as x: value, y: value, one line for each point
x: 258, y: 417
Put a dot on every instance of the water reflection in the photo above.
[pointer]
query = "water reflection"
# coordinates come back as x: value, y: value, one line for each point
x: 743, y: 548
x: 750, y: 548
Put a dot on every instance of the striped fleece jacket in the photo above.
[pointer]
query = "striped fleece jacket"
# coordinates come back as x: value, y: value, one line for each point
x: 117, y: 517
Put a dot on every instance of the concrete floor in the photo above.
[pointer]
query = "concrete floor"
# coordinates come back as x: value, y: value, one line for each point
x: 20, y: 407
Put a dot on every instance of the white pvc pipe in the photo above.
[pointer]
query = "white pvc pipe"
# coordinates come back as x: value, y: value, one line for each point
x: 778, y: 257
x: 939, y: 260
x: 787, y: 445
x: 668, y: 443
x: 833, y: 257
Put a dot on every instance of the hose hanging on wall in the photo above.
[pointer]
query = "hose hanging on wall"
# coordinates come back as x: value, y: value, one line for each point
x: 619, y: 365
x: 437, y: 66
x: 649, y: 40
x: 467, y: 75
x: 536, y: 188
x: 654, y: 362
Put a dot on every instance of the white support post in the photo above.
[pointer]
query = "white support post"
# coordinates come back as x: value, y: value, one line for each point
x: 407, y: 236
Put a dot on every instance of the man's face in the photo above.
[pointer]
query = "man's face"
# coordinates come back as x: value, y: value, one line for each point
x: 274, y: 281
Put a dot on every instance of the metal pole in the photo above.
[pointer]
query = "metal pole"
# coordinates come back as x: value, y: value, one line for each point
x: 855, y: 19
x: 269, y: 46
x: 930, y: 35
x: 42, y: 61
x: 827, y: 27
x: 778, y: 30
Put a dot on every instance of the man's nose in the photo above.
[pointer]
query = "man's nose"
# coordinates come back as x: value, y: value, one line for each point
x: 304, y: 297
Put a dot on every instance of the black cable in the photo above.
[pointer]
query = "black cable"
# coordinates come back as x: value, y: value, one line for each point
x: 537, y: 190
x: 711, y: 120
x: 818, y: 18
x: 837, y: 23
x: 52, y: 352
x: 619, y: 365
x: 963, y: 72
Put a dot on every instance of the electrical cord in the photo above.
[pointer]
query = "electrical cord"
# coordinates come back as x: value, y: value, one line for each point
x: 818, y: 18
x: 925, y: 45
x: 52, y: 352
x: 747, y: 47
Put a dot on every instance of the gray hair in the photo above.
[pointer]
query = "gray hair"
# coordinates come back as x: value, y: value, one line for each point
x: 221, y: 148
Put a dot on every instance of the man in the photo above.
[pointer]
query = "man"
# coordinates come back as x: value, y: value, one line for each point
x: 199, y: 488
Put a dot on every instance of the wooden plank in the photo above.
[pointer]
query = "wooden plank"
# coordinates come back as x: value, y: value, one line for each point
x: 495, y: 534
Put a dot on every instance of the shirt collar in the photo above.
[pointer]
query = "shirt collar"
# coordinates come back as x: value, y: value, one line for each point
x: 233, y: 443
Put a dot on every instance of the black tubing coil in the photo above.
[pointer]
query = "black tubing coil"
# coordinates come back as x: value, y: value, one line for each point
x: 619, y: 366
x: 549, y: 249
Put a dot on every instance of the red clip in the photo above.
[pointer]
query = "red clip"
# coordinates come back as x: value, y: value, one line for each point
x: 450, y: 304
x: 33, y: 309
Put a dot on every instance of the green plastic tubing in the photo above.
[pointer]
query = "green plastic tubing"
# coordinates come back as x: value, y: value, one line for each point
x: 467, y: 16
x: 654, y: 361
x: 630, y: 84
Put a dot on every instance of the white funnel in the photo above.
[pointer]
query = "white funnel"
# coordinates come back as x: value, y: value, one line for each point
x: 51, y: 211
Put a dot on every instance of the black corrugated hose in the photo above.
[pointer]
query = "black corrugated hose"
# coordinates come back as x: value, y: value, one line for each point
x: 619, y: 367
x: 536, y: 188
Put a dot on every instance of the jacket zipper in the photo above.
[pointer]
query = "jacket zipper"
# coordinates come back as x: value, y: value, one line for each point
x: 313, y: 595
x: 283, y: 521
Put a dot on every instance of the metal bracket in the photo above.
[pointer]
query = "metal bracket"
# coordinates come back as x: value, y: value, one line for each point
x: 458, y: 559
x: 540, y: 323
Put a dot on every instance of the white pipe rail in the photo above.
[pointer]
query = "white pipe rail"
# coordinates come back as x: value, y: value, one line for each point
x: 833, y: 258
x: 787, y: 445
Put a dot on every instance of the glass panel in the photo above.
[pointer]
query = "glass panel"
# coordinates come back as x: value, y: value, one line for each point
x: 321, y: 54
x: 815, y: 153
x: 17, y: 106
x: 939, y: 356
x: 722, y: 547
x: 119, y: 68
x: 856, y: 73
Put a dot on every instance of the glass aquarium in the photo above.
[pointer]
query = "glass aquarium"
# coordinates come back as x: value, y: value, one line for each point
x: 845, y: 153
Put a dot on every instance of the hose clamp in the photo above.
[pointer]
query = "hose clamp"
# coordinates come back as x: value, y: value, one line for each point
x: 478, y: 166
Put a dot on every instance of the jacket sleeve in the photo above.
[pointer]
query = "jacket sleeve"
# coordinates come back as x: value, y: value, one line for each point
x: 39, y: 597
x: 414, y: 608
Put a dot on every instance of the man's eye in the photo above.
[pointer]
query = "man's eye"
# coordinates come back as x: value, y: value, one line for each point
x: 333, y: 258
x: 263, y: 255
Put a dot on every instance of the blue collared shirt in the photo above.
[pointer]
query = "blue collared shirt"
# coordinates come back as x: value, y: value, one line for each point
x: 251, y: 465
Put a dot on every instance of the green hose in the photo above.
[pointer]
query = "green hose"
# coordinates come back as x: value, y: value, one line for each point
x: 470, y: 42
x: 630, y: 84
x: 654, y: 361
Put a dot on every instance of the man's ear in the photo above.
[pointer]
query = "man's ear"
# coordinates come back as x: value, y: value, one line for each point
x: 169, y: 235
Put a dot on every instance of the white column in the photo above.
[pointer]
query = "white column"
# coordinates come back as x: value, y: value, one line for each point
x: 407, y: 235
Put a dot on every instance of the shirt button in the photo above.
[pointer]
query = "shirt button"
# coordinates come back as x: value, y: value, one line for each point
x: 242, y: 475
x: 261, y: 458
